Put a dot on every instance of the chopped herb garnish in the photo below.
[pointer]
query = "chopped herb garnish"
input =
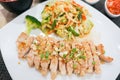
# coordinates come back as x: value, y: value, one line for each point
x: 82, y: 57
x: 74, y: 50
x: 69, y: 34
x: 93, y: 62
x: 47, y: 55
x: 74, y: 66
x: 62, y: 45
x: 64, y: 55
x: 71, y: 55
x: 42, y: 56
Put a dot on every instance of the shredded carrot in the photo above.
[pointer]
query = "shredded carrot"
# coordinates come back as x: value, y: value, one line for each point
x: 57, y: 26
x: 66, y: 9
x: 83, y: 17
x: 61, y: 3
x: 69, y: 22
x: 74, y: 3
x: 52, y: 7
x: 51, y: 31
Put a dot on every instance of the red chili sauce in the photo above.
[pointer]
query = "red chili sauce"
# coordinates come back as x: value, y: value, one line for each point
x: 114, y: 6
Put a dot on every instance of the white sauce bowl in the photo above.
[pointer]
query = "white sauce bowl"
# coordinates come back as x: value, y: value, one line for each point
x: 92, y: 2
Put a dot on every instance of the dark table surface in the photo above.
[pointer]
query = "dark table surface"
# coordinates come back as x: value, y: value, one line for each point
x: 4, y: 75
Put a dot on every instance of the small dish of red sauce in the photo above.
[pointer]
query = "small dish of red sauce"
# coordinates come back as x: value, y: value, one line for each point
x: 112, y: 8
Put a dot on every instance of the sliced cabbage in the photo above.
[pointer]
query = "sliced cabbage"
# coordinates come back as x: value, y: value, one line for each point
x: 88, y: 26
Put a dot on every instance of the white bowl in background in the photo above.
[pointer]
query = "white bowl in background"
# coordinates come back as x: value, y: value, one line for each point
x: 92, y: 2
x: 108, y: 12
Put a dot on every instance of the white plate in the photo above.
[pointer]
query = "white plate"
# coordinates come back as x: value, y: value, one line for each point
x: 109, y: 36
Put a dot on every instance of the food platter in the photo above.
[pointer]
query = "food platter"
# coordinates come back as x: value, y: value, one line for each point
x: 108, y: 31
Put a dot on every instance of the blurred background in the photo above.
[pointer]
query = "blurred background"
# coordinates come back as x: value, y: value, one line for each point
x: 6, y: 16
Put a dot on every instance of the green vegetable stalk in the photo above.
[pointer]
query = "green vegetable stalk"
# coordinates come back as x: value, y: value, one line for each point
x: 54, y: 24
x: 73, y: 31
x: 79, y: 15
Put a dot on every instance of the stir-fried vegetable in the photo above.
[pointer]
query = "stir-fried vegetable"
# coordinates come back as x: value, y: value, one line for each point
x: 31, y: 23
x: 54, y: 24
x: 65, y: 18
x: 88, y: 27
x: 79, y: 15
x: 62, y: 17
x: 73, y: 31
x: 47, y: 55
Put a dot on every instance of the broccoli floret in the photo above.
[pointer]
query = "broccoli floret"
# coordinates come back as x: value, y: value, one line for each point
x: 31, y: 23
